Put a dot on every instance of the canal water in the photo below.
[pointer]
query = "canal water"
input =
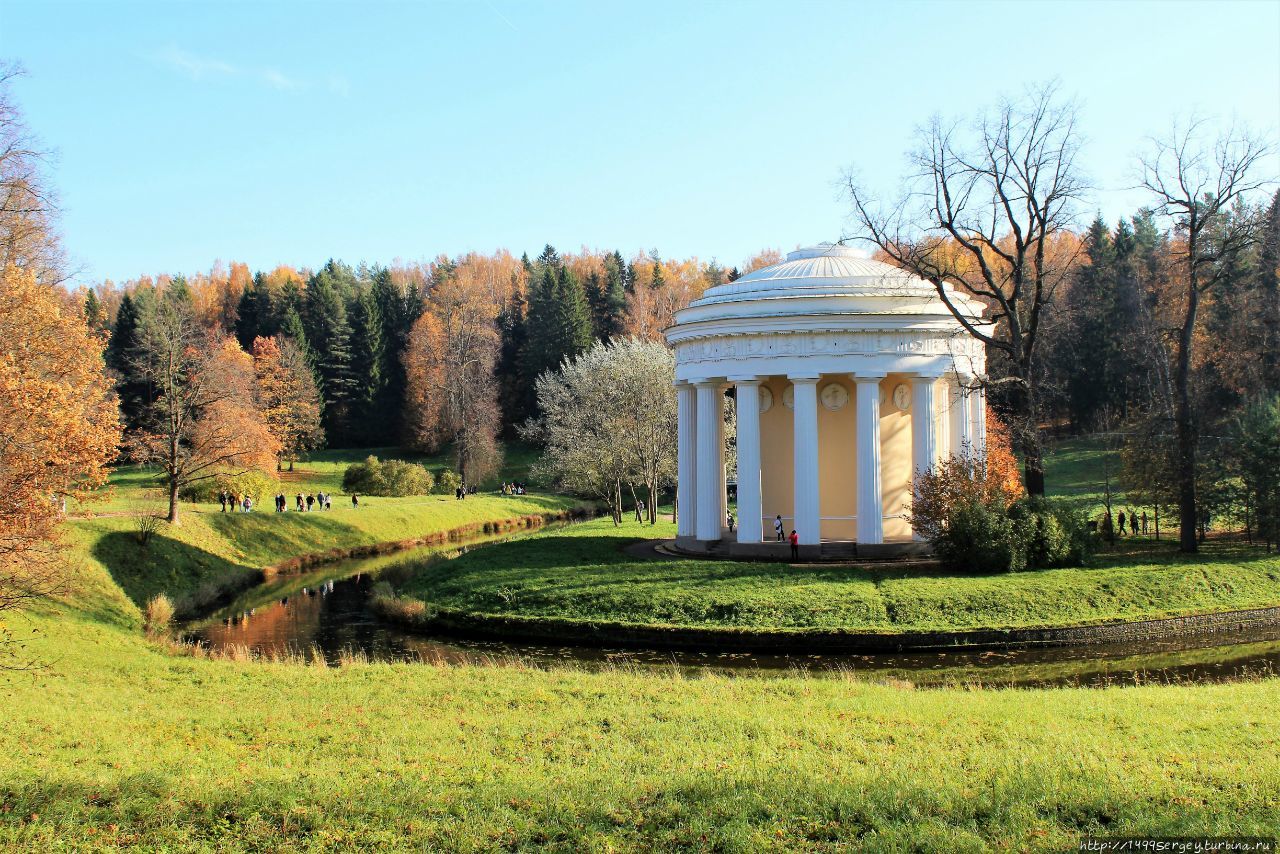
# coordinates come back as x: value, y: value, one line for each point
x: 326, y: 612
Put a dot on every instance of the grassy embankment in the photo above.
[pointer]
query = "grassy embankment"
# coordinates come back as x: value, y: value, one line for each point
x: 583, y: 574
x: 118, y: 742
x: 210, y: 553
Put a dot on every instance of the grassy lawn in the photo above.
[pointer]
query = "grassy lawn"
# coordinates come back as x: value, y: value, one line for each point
x: 135, y: 489
x: 583, y: 573
x: 120, y: 743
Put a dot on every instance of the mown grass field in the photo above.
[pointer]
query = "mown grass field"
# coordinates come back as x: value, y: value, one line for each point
x: 116, y: 740
x: 118, y: 743
x: 136, y: 489
x: 584, y: 573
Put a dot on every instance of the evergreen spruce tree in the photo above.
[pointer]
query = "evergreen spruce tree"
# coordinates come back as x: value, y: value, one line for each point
x: 516, y: 397
x: 541, y: 331
x: 122, y: 351
x: 594, y: 287
x: 248, y: 317
x: 615, y: 296
x: 367, y: 361
x: 329, y: 334
x: 94, y: 317
x: 289, y: 300
x: 659, y: 280
x: 393, y: 312
x: 179, y: 296
x: 572, y: 318
x: 1095, y: 358
x: 292, y: 328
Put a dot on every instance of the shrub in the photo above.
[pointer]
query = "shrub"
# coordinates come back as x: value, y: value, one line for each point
x: 145, y: 526
x: 449, y: 481
x: 158, y: 614
x: 979, y: 537
x: 392, y: 478
x: 1051, y: 534
x: 256, y: 484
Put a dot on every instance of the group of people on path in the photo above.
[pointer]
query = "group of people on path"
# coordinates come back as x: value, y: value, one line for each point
x: 793, y: 538
x: 513, y: 488
x: 1136, y: 525
x: 304, y: 503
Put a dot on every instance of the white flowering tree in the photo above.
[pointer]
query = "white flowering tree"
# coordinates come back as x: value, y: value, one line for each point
x: 608, y: 422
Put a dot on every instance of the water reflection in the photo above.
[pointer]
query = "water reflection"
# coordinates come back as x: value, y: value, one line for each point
x: 326, y: 613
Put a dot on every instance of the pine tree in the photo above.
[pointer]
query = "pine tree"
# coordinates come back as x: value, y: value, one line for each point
x: 515, y: 396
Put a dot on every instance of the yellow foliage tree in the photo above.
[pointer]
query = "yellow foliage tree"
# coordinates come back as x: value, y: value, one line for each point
x: 59, y: 428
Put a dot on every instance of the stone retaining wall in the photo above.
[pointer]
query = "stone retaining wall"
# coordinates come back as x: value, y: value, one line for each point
x: 574, y: 632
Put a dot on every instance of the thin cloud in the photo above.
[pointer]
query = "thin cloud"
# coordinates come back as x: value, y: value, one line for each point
x: 277, y: 80
x: 195, y: 67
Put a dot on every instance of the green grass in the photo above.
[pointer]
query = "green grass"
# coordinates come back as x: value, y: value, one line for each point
x: 583, y: 573
x: 136, y: 489
x: 209, y: 553
x: 119, y: 743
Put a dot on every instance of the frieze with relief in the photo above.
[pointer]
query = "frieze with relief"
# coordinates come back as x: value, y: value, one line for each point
x: 740, y: 347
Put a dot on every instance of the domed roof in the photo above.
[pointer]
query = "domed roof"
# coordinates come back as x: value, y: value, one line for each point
x: 825, y: 279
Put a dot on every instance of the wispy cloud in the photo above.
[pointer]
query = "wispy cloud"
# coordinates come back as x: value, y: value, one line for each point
x: 195, y: 67
x: 206, y: 68
x: 277, y: 80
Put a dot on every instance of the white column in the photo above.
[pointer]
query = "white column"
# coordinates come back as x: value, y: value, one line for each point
x: 960, y: 421
x: 805, y: 414
x: 749, y: 515
x: 709, y: 414
x: 924, y: 445
x: 978, y: 429
x: 870, y: 503
x: 686, y: 454
x: 721, y: 466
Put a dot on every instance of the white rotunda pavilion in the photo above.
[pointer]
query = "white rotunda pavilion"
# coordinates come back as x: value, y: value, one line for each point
x: 849, y: 374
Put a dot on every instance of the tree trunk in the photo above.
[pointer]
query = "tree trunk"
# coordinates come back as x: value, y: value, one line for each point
x: 653, y: 503
x: 173, y: 501
x: 1023, y: 401
x: 1184, y: 419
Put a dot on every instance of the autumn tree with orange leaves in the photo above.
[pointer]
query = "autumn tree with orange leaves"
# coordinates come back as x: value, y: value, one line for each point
x: 204, y: 421
x: 59, y: 430
x: 449, y: 362
x: 287, y: 397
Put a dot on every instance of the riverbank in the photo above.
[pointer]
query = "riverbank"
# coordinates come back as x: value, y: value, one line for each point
x: 585, y: 584
x: 211, y: 555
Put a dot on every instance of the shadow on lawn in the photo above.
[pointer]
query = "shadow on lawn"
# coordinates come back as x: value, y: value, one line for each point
x: 192, y: 577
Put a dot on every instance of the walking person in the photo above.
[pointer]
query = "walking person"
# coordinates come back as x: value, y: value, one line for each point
x: 731, y: 522
x: 1121, y: 528
x: 222, y: 497
x: 1133, y: 521
x: 639, y: 511
x: 795, y: 545
x: 248, y: 504
x: 1144, y: 522
x: 311, y: 500
x: 355, y: 501
x: 777, y: 526
x: 300, y: 507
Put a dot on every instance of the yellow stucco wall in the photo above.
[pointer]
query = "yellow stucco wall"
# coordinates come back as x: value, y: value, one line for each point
x: 895, y: 455
x: 837, y: 461
x: 777, y: 454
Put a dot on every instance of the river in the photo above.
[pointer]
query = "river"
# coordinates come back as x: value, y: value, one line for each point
x: 327, y: 611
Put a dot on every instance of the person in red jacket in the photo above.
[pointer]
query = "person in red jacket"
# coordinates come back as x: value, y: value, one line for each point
x: 795, y: 545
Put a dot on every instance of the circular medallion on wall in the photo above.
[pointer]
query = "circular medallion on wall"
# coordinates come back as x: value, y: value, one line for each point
x: 902, y: 397
x: 766, y: 399
x: 789, y: 397
x: 834, y: 396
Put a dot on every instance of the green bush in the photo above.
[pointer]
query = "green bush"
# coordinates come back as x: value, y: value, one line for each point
x: 981, y: 537
x: 256, y: 484
x: 1055, y: 536
x: 391, y: 478
x: 449, y: 482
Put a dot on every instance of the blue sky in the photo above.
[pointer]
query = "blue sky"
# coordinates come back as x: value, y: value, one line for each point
x: 292, y: 132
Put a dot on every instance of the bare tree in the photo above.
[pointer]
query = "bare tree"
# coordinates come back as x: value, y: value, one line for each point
x: 989, y: 212
x: 28, y: 206
x: 1196, y: 185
